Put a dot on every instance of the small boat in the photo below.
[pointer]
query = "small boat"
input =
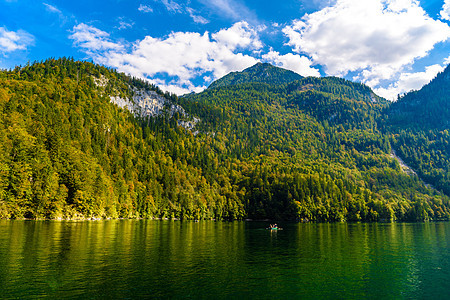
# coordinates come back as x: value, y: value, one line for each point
x: 274, y: 227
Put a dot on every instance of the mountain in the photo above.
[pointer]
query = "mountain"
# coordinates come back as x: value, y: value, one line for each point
x: 78, y: 140
x: 428, y: 107
x: 310, y: 149
x: 335, y: 99
x: 69, y: 151
x: 419, y: 124
x: 260, y: 72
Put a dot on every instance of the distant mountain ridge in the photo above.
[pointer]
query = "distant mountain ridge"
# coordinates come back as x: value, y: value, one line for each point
x: 419, y: 123
x: 337, y: 86
x: 428, y: 107
x: 326, y: 98
x: 260, y: 72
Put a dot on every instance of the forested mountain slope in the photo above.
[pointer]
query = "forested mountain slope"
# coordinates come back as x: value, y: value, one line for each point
x: 420, y: 124
x: 261, y: 72
x: 307, y: 149
x: 427, y: 108
x: 67, y: 152
x: 312, y: 149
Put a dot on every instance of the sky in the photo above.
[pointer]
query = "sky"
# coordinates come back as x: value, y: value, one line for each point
x: 393, y: 46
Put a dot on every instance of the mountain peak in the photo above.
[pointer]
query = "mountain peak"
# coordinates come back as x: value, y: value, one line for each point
x: 260, y: 72
x: 261, y: 67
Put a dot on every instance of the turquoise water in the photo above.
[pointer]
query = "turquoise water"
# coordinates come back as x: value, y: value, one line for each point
x: 172, y: 259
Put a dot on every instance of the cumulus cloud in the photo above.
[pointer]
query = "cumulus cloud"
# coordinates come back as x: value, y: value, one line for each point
x: 378, y: 39
x: 445, y: 12
x: 409, y: 81
x: 93, y: 40
x: 176, y: 89
x: 180, y: 58
x: 14, y: 40
x: 145, y: 8
x: 299, y: 64
x: 241, y: 34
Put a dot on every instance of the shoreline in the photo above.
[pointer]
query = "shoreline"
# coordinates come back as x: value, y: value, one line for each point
x: 214, y: 220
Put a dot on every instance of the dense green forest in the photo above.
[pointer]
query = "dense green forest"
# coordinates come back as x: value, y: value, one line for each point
x: 263, y: 73
x: 286, y: 147
x: 419, y: 123
x: 67, y: 152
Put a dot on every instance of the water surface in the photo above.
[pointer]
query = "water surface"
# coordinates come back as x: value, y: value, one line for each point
x: 172, y: 259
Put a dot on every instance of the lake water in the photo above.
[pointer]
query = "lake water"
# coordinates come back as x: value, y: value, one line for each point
x: 173, y: 259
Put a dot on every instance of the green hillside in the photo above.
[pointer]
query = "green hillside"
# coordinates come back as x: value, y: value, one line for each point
x: 420, y: 123
x: 427, y: 108
x: 67, y: 152
x: 311, y: 149
x: 279, y: 147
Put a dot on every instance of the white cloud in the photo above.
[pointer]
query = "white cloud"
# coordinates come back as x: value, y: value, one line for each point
x: 145, y: 8
x: 409, y: 81
x: 445, y: 12
x: 182, y: 57
x: 447, y: 60
x: 176, y: 89
x: 92, y: 39
x: 376, y: 38
x: 63, y: 19
x: 14, y: 40
x: 241, y: 34
x: 171, y: 6
x: 232, y: 9
x: 177, y: 8
x: 299, y: 64
x: 124, y: 24
x: 226, y: 7
x: 52, y: 8
x: 197, y: 19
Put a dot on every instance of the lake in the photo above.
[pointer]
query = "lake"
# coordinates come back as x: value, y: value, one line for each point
x: 175, y: 259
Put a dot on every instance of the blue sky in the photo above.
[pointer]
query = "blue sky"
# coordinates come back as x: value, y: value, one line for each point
x: 182, y: 46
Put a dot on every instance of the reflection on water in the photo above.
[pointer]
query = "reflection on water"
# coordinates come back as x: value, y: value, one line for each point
x: 169, y: 259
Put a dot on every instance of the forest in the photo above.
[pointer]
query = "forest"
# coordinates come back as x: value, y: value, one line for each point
x: 286, y: 147
x: 419, y: 124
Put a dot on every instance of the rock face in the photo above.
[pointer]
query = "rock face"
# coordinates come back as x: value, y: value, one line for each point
x: 149, y: 102
x: 145, y: 103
